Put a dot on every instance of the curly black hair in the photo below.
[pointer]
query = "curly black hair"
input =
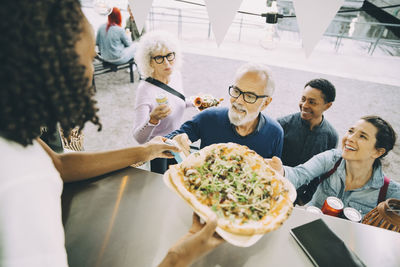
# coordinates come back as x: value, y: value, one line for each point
x: 41, y: 79
x: 326, y: 87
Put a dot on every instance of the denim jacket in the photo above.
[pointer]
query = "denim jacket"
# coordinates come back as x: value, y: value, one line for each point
x: 362, y: 199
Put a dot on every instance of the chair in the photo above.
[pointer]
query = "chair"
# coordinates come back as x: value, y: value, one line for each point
x: 101, y: 67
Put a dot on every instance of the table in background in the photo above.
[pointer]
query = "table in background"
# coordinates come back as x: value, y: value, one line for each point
x: 130, y: 218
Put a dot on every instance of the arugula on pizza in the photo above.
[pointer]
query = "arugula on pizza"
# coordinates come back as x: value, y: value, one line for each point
x: 235, y: 183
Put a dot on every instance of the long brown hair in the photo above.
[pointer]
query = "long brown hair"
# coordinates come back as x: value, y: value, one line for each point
x: 385, y: 135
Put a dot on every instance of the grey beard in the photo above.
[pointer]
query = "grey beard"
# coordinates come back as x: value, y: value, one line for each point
x: 235, y: 119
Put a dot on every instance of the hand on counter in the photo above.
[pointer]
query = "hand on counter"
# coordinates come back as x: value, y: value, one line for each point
x: 199, y: 241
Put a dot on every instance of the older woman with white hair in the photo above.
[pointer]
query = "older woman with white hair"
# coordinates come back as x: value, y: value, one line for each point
x: 160, y: 101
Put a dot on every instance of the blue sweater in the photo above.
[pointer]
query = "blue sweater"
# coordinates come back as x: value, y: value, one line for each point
x: 212, y: 126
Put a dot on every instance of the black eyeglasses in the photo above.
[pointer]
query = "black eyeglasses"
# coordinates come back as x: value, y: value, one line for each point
x: 160, y: 59
x: 249, y: 97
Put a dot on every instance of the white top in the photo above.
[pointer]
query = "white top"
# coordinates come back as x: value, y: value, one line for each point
x: 31, y: 230
x: 145, y: 102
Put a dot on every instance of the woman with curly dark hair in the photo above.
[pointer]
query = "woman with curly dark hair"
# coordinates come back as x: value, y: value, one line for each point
x: 46, y: 78
x: 47, y: 49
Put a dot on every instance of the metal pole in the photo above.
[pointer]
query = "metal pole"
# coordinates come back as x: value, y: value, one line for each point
x: 372, y: 48
x: 209, y: 30
x: 339, y: 38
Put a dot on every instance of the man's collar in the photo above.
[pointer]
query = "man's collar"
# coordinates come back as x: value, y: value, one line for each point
x: 307, y: 124
x: 260, y: 124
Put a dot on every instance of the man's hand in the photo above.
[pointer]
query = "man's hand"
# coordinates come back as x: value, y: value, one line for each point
x: 183, y: 142
x: 276, y: 164
x: 159, y: 113
x: 199, y: 241
x: 157, y: 148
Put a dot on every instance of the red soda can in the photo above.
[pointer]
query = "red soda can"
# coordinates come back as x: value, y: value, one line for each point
x: 332, y: 206
x: 352, y: 214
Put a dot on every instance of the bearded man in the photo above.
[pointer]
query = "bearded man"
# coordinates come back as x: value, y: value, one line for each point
x: 241, y: 123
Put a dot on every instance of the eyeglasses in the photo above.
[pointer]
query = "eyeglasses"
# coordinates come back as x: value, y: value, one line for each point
x: 248, y: 97
x: 160, y: 59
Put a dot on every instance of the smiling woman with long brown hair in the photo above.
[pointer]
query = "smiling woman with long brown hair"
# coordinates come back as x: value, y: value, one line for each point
x: 355, y: 172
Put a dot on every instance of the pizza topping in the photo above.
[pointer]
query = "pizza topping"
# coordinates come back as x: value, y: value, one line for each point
x: 235, y: 183
x: 231, y: 187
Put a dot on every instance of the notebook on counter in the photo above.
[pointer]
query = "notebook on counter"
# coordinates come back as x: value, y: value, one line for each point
x: 323, y: 247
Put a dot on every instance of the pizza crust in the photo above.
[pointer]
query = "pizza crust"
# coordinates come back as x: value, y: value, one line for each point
x: 236, y: 240
x: 278, y: 213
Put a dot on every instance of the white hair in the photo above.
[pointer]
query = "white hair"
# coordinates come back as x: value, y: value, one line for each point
x: 262, y: 70
x: 152, y: 42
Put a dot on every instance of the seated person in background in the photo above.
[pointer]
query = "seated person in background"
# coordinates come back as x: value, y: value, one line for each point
x: 359, y: 177
x: 131, y: 26
x: 32, y: 175
x: 159, y: 60
x: 114, y: 44
x: 241, y: 123
x: 308, y: 133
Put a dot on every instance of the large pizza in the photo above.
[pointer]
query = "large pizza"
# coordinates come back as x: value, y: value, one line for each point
x: 235, y: 183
